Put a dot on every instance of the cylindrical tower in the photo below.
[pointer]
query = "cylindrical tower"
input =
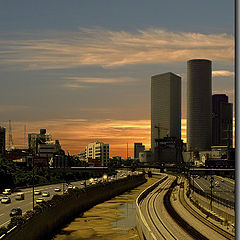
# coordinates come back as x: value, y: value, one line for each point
x: 199, y: 104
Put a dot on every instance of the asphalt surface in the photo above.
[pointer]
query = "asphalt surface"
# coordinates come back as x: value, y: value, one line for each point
x: 223, y: 189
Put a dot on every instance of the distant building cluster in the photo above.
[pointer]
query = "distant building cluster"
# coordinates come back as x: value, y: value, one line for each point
x: 209, y: 119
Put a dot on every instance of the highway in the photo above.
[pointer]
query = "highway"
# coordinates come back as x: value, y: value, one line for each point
x: 27, y: 203
x: 225, y: 188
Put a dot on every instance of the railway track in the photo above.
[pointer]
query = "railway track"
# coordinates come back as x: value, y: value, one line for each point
x: 178, y: 219
x: 221, y: 231
x: 153, y: 198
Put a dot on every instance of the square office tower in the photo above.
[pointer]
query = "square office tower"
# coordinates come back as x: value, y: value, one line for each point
x: 165, y: 107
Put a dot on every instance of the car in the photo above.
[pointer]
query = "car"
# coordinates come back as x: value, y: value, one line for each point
x: 7, y: 191
x: 40, y: 200
x: 46, y: 194
x: 6, y: 200
x: 20, y: 196
x: 75, y: 187
x: 57, y: 189
x: 37, y: 192
x: 16, y: 212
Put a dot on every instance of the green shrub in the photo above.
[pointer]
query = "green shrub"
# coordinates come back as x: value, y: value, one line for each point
x: 3, y: 230
x: 16, y: 221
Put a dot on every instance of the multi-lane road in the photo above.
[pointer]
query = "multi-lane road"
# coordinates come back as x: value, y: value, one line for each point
x: 27, y: 203
x: 222, y: 187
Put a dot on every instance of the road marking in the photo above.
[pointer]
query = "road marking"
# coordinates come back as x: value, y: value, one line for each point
x: 5, y: 223
x: 199, y: 186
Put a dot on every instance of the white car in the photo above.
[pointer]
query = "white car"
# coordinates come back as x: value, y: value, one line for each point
x: 57, y: 189
x: 37, y: 192
x: 5, y: 200
x: 7, y: 191
x: 40, y: 200
x: 46, y: 194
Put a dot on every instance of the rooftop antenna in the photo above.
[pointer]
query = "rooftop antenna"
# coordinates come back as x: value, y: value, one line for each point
x: 25, y: 140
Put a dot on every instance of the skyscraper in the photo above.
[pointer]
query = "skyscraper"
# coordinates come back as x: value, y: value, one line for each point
x: 199, y: 104
x: 138, y: 147
x: 222, y: 113
x: 165, y: 106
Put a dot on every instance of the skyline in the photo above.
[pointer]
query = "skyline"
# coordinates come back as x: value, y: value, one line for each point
x: 83, y: 70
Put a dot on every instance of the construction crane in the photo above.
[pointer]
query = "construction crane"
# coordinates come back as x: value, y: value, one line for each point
x: 10, y: 138
x: 159, y: 127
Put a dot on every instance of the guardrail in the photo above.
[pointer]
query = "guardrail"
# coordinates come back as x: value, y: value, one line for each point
x: 143, y: 229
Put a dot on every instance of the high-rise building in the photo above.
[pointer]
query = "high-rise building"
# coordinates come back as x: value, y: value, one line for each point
x: 2, y: 140
x: 165, y: 107
x: 97, y: 153
x: 199, y: 104
x: 222, y: 114
x: 138, y: 147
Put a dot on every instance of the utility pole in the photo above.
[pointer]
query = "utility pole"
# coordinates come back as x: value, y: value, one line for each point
x: 127, y: 151
x: 211, y: 187
x: 33, y: 179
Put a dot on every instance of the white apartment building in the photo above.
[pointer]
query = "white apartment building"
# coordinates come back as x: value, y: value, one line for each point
x: 97, y: 153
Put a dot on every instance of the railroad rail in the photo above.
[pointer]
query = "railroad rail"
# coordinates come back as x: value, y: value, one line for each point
x: 211, y: 225
x: 153, y: 197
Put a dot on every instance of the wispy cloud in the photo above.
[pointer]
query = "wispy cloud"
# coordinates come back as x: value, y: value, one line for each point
x: 77, y: 82
x: 12, y: 108
x: 222, y: 73
x: 102, y: 80
x: 113, y: 48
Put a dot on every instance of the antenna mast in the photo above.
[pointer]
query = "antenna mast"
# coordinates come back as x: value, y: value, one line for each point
x: 25, y: 140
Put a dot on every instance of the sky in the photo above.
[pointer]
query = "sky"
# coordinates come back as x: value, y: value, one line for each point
x: 82, y: 69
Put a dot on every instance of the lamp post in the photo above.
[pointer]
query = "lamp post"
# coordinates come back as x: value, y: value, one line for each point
x: 33, y: 179
x: 211, y: 187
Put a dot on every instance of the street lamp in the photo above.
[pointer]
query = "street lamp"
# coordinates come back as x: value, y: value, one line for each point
x: 211, y: 187
x: 105, y: 177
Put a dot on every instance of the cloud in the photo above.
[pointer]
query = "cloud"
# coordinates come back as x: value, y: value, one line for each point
x: 222, y: 73
x: 12, y: 108
x: 102, y: 47
x: 76, y: 82
x: 73, y: 85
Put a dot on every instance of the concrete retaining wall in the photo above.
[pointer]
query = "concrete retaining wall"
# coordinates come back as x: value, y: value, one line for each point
x: 45, y: 224
x: 143, y: 229
x: 226, y: 213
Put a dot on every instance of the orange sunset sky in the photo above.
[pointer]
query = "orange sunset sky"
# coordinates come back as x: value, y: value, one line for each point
x: 75, y: 134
